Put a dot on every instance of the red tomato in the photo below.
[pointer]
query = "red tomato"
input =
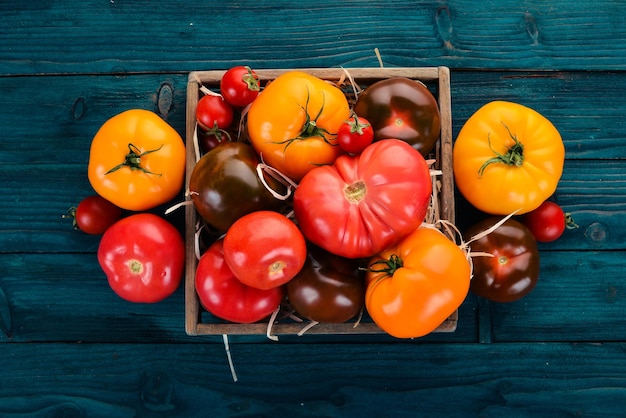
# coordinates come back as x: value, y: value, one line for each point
x: 223, y: 295
x: 214, y: 113
x: 547, y: 223
x: 95, y: 214
x: 264, y: 249
x: 355, y: 134
x: 143, y: 257
x: 240, y: 86
x: 362, y: 204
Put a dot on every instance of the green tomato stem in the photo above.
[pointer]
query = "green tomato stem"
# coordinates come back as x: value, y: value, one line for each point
x: 513, y: 157
x: 133, y: 160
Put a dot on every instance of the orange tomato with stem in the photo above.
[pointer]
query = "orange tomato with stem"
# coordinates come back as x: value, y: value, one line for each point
x: 137, y: 160
x: 294, y: 121
x: 414, y: 286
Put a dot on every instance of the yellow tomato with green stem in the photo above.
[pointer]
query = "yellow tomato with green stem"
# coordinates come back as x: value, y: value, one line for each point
x: 293, y: 123
x: 507, y: 158
x: 137, y: 160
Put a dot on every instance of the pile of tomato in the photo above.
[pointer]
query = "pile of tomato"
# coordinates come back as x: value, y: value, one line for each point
x: 313, y: 197
x: 316, y: 198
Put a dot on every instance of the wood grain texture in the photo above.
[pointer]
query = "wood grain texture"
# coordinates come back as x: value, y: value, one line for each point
x: 121, y: 37
x: 183, y: 380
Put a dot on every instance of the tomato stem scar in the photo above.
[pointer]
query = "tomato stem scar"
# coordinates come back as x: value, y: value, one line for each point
x: 135, y: 266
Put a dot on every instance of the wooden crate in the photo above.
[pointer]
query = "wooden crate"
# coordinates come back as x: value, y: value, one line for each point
x: 200, y: 322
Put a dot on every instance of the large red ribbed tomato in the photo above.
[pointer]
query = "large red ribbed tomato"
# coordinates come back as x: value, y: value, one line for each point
x: 361, y: 204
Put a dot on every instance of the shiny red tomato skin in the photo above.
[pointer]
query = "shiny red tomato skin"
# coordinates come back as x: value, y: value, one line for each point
x: 362, y: 204
x: 264, y: 249
x: 94, y: 215
x: 513, y: 271
x: 547, y: 223
x: 355, y: 134
x: 214, y: 112
x: 143, y: 257
x: 224, y: 296
x: 240, y: 86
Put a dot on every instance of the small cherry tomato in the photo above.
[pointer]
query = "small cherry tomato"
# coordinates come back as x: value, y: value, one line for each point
x: 240, y: 86
x: 94, y: 215
x: 223, y: 295
x: 512, y: 270
x: 264, y: 249
x: 355, y: 134
x: 547, y: 223
x: 143, y: 257
x: 214, y: 113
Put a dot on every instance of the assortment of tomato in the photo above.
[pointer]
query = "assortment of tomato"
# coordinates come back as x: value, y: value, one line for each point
x: 137, y: 163
x: 316, y: 199
x: 320, y: 184
x: 507, y: 161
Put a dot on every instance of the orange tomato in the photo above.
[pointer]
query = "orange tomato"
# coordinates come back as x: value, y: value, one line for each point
x: 137, y: 160
x: 293, y: 123
x: 414, y: 286
x: 507, y: 158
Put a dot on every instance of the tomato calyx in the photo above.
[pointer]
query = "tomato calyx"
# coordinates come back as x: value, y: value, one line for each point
x: 356, y: 127
x: 71, y: 213
x: 133, y: 160
x: 514, y: 155
x: 390, y: 265
x: 569, y: 221
x: 310, y: 128
x: 219, y: 133
x: 251, y: 81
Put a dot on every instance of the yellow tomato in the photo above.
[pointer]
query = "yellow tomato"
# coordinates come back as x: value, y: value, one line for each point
x: 507, y: 158
x: 293, y: 123
x: 137, y: 160
x: 412, y: 287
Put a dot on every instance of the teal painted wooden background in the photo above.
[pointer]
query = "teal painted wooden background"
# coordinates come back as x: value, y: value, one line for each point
x: 70, y: 347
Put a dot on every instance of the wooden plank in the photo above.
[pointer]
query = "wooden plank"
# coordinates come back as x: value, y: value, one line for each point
x: 66, y: 297
x: 70, y: 110
x: 121, y: 37
x: 580, y: 296
x: 184, y: 380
